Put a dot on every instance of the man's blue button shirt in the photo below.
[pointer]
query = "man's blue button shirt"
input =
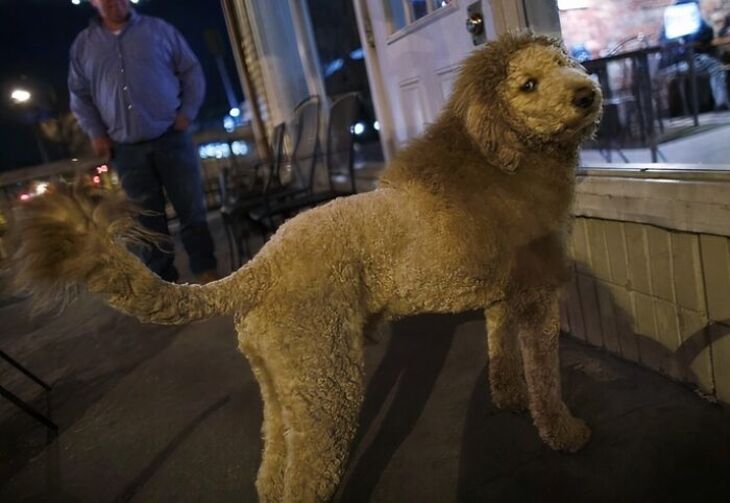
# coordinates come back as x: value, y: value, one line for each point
x: 131, y: 85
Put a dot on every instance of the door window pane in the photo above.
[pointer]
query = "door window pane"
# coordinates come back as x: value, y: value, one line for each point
x: 396, y: 14
x: 402, y: 12
x: 419, y: 8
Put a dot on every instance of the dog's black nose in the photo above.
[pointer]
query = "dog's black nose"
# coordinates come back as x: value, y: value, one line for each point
x: 584, y: 97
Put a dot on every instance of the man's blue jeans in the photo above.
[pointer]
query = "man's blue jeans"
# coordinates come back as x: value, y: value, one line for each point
x: 168, y: 163
x: 708, y: 65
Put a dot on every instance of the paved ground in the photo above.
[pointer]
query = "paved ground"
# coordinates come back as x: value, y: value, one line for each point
x: 709, y: 146
x: 152, y: 414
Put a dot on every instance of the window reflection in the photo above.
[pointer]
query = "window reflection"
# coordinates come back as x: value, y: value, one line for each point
x: 664, y: 76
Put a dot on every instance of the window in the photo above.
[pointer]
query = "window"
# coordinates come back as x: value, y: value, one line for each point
x: 395, y: 13
x: 419, y: 8
x: 401, y: 13
x: 664, y: 76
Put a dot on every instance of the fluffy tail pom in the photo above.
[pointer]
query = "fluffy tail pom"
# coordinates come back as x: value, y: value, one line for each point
x: 58, y: 240
x: 76, y: 235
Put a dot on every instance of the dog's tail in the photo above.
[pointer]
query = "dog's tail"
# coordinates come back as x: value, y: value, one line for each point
x: 75, y: 236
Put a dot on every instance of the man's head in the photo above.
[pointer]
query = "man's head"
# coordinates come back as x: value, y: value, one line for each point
x: 114, y: 12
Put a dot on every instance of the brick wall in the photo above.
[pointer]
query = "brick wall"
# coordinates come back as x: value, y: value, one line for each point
x: 652, y: 271
x: 654, y: 296
x: 605, y: 23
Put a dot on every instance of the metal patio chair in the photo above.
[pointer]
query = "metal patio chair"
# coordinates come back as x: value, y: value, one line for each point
x: 237, y: 200
x: 338, y: 162
x: 296, y: 172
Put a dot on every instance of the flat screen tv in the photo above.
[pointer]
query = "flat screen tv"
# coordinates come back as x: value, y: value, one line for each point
x: 681, y: 20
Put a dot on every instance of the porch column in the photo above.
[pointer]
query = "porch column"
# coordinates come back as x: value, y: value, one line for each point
x: 307, y: 48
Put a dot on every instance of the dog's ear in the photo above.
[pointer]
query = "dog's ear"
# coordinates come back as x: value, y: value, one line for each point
x: 496, y: 141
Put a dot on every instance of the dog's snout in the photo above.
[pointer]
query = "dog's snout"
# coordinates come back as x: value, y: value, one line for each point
x: 584, y: 97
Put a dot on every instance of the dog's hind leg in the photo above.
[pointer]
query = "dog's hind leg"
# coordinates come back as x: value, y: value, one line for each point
x: 270, y: 478
x: 539, y: 330
x: 320, y: 385
x: 505, y: 362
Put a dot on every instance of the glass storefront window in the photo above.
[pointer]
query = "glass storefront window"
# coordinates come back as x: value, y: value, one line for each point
x: 664, y: 76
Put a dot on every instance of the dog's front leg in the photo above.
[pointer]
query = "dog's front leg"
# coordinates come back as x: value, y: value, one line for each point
x: 539, y: 329
x: 505, y: 362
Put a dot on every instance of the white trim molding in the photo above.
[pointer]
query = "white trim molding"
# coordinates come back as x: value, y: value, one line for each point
x: 693, y: 198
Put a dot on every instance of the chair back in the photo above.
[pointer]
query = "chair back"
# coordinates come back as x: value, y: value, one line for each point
x: 273, y: 181
x: 631, y: 43
x: 339, y: 149
x: 305, y: 140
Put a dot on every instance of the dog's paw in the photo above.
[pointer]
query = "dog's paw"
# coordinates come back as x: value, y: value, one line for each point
x: 512, y: 398
x: 570, y: 435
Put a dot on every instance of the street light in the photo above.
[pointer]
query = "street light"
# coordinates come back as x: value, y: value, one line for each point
x: 20, y: 95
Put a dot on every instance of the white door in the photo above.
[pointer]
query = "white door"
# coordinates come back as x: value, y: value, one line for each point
x: 413, y: 49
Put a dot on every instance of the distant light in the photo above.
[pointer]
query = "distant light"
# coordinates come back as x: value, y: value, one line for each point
x: 41, y: 188
x: 96, y: 179
x: 376, y: 126
x: 74, y: 160
x: 239, y: 147
x: 229, y: 124
x: 76, y: 2
x: 20, y: 95
x: 102, y: 169
x: 234, y: 112
x: 358, y: 128
x: 333, y: 67
x: 214, y: 151
x: 358, y: 53
x: 135, y: 1
x: 223, y: 150
x: 24, y: 197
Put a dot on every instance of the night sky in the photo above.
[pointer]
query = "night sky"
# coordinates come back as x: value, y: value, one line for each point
x: 35, y: 36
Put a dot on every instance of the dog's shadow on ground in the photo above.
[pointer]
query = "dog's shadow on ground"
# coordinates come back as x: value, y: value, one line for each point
x: 405, y: 379
x: 652, y: 440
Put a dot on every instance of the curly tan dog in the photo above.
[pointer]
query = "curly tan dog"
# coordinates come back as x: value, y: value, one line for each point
x: 472, y: 215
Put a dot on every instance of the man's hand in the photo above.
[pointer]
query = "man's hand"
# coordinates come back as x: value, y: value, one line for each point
x: 181, y: 123
x: 102, y: 147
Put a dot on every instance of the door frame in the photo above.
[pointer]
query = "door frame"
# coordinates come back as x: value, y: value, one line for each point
x: 376, y: 81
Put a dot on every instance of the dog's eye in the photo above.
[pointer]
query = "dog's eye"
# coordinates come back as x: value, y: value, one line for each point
x: 529, y: 85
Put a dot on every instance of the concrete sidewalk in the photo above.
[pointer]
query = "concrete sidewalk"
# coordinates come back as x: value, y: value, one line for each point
x: 164, y: 414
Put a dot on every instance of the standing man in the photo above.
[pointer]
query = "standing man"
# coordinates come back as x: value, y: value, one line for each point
x: 135, y: 86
